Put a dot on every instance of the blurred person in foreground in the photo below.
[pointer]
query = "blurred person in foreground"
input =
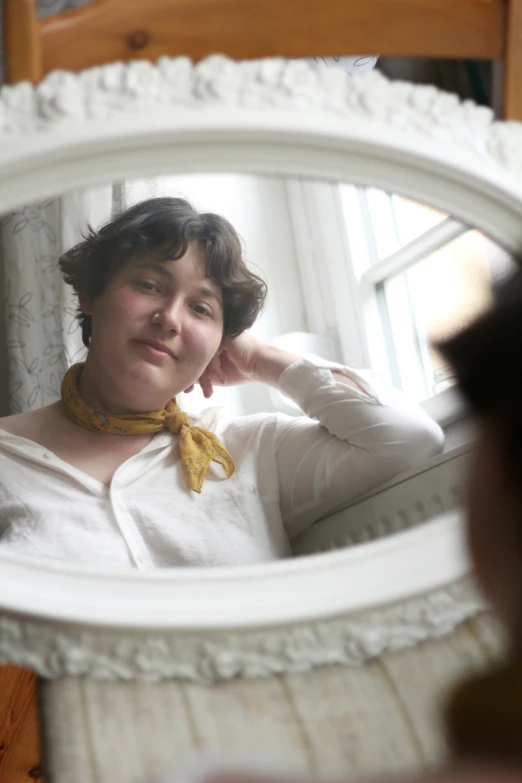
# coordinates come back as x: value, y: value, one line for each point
x: 483, y: 717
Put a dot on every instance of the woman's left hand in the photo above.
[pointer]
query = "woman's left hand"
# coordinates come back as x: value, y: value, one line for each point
x: 235, y: 363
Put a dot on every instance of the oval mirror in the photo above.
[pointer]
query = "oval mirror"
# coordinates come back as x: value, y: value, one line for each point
x: 379, y: 215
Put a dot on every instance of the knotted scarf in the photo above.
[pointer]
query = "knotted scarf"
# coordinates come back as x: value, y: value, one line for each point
x: 198, y: 447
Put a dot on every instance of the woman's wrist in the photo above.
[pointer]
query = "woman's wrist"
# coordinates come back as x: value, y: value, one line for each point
x: 271, y: 362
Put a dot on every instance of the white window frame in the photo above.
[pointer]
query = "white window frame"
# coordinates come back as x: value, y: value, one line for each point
x: 341, y: 294
x: 327, y: 277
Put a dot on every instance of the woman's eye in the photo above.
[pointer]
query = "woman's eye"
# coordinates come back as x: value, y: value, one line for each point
x: 201, y: 310
x: 148, y: 285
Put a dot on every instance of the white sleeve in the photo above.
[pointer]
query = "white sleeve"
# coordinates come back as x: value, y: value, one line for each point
x: 348, y: 442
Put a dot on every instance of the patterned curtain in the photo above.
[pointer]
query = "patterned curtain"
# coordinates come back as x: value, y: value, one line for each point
x: 39, y: 332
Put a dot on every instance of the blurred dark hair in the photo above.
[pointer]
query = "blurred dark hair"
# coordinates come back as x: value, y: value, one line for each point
x: 486, y: 357
x: 163, y: 229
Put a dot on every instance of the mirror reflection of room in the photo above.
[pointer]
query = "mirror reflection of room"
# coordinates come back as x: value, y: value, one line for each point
x: 206, y: 424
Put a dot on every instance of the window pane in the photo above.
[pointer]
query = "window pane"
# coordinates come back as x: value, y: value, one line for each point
x: 413, y: 219
x: 384, y: 228
x: 379, y: 223
x: 433, y: 299
x: 397, y: 220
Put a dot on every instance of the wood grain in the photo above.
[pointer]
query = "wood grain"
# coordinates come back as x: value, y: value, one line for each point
x: 22, y: 55
x: 107, y: 30
x: 19, y: 729
x: 513, y: 62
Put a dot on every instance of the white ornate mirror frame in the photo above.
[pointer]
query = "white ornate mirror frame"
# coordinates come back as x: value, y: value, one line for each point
x: 271, y: 117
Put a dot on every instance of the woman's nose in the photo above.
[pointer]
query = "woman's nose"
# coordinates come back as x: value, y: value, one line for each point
x: 171, y: 317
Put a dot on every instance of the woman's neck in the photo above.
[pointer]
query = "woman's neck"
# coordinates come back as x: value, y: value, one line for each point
x: 101, y: 393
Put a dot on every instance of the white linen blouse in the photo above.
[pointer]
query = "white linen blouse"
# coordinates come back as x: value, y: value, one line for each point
x: 289, y: 473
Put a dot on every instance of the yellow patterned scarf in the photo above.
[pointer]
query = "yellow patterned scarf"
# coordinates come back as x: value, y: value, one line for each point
x: 198, y: 447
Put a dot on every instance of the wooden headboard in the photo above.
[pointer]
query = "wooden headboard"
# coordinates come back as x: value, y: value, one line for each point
x: 109, y: 30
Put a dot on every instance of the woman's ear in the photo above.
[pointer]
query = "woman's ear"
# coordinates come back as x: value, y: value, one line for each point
x: 85, y: 303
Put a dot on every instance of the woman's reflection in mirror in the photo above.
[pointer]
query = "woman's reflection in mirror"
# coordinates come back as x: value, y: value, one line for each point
x: 115, y: 475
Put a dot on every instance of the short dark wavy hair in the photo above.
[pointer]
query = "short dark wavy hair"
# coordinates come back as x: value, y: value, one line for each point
x: 163, y: 228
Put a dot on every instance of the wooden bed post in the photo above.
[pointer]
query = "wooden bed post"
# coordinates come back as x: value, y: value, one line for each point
x: 512, y: 109
x: 19, y: 726
x: 22, y: 42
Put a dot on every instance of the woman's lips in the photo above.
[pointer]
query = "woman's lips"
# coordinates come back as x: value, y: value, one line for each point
x: 155, y: 352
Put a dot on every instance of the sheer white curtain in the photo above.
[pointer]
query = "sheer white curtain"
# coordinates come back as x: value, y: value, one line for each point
x: 39, y: 334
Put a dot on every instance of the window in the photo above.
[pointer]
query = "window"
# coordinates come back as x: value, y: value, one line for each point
x: 429, y: 275
x: 431, y: 299
x: 395, y: 275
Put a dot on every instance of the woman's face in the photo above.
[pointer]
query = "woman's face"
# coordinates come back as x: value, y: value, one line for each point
x: 187, y: 330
